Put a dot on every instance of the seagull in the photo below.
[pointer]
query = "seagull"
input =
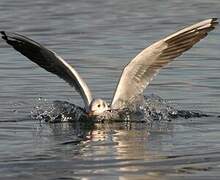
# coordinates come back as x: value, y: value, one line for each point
x: 135, y: 76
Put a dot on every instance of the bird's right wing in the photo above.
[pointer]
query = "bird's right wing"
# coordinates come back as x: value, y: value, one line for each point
x: 140, y: 71
x: 50, y: 61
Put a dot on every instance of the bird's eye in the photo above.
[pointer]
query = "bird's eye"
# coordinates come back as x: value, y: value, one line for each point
x: 99, y: 105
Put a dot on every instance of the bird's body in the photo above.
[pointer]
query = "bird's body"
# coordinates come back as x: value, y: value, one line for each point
x: 135, y: 77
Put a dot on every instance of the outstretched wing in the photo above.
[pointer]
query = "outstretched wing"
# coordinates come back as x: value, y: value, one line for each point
x: 140, y: 71
x: 50, y: 61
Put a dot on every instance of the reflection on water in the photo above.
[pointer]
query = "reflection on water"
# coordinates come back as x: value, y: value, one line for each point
x: 99, y: 38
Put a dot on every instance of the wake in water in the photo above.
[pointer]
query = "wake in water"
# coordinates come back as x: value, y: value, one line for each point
x: 146, y: 109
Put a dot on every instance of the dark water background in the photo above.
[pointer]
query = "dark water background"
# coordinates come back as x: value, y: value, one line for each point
x: 99, y: 37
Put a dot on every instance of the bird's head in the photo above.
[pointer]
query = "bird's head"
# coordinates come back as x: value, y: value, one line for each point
x: 97, y: 107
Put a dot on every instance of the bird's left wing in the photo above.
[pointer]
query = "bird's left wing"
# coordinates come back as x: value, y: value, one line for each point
x: 140, y: 71
x: 50, y: 61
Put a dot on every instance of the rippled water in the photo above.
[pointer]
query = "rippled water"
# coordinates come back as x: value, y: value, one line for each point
x: 99, y: 37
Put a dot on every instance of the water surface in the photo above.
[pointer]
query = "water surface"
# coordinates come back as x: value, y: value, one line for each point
x: 98, y: 38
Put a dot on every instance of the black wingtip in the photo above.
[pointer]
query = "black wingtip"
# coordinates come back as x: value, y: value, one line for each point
x: 215, y: 21
x: 4, y: 36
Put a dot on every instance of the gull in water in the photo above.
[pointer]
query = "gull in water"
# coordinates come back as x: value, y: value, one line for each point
x: 135, y: 77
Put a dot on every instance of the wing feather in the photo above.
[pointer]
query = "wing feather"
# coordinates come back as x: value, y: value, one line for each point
x: 141, y: 70
x: 50, y: 61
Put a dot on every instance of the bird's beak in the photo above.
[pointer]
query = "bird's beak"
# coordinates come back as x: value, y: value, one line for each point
x: 90, y: 113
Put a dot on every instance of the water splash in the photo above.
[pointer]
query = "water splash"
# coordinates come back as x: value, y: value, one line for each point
x: 58, y: 111
x: 145, y: 109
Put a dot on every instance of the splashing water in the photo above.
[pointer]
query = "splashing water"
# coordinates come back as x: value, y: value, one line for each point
x: 145, y: 109
x: 58, y: 111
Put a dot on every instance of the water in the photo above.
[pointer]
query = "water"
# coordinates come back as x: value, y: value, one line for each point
x: 99, y: 38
